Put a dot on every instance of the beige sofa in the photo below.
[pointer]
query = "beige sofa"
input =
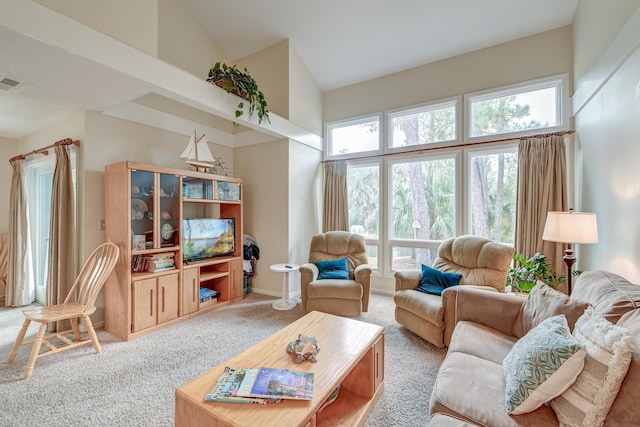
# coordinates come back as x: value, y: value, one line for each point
x: 470, y: 388
x: 480, y: 261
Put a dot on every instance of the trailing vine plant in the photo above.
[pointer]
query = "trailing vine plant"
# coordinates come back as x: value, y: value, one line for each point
x: 243, y: 85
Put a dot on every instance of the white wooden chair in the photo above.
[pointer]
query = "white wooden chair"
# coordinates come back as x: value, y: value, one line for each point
x: 79, y: 303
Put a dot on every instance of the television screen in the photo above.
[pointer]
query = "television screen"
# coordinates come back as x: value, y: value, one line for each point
x: 207, y: 237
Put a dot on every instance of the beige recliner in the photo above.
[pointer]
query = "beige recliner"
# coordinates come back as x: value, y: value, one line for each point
x: 337, y: 296
x: 480, y: 261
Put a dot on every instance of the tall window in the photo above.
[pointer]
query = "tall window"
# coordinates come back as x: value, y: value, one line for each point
x: 423, y: 125
x: 492, y: 182
x: 420, y: 185
x: 517, y: 109
x: 39, y: 179
x: 353, y: 136
x: 363, y: 187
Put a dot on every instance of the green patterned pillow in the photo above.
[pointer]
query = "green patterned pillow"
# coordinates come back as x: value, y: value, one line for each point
x: 541, y: 365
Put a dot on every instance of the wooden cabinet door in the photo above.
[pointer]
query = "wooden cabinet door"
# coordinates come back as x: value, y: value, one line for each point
x: 190, y: 290
x: 236, y: 279
x: 144, y: 302
x: 378, y: 363
x: 167, y: 298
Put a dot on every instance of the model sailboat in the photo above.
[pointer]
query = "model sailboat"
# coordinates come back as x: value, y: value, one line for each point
x: 197, y: 153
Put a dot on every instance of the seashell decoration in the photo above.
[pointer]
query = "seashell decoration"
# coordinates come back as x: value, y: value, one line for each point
x: 304, y: 348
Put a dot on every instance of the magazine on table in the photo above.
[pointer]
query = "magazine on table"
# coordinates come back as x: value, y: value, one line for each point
x: 277, y: 383
x: 264, y: 385
x: 226, y: 389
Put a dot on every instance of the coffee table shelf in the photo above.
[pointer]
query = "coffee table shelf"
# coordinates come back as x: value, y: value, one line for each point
x: 351, y: 354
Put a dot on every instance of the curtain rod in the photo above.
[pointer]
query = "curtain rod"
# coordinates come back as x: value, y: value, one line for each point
x: 466, y: 144
x: 44, y: 150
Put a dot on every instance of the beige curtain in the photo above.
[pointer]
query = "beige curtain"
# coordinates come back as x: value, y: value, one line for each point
x: 542, y: 187
x: 62, y: 234
x: 335, y: 215
x: 20, y: 289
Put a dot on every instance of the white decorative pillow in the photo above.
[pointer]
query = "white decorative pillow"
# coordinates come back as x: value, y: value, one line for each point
x: 541, y: 365
x: 609, y: 349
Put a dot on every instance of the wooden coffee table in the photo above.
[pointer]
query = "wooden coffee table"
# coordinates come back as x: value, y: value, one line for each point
x: 351, y: 354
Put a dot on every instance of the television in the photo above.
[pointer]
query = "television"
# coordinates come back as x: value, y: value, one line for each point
x: 207, y: 237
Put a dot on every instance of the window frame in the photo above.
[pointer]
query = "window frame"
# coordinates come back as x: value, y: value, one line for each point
x: 389, y: 115
x: 463, y: 148
x: 563, y: 105
x: 329, y: 127
x: 456, y: 154
x: 469, y: 153
x: 381, y: 188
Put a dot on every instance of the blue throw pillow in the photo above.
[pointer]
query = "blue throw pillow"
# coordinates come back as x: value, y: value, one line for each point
x: 435, y: 281
x: 334, y: 269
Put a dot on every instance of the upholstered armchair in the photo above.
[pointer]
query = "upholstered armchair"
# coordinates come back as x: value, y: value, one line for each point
x: 344, y: 297
x: 480, y: 261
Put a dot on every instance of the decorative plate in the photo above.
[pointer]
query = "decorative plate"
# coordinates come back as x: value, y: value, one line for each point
x: 166, y: 231
x: 138, y: 205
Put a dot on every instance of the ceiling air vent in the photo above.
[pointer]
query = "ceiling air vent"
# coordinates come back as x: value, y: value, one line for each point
x: 8, y: 84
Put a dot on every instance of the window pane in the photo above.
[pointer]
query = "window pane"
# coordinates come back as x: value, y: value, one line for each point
x: 356, y: 137
x: 407, y: 258
x: 372, y: 256
x: 423, y: 199
x: 423, y: 126
x: 363, y: 187
x: 493, y: 195
x: 534, y: 109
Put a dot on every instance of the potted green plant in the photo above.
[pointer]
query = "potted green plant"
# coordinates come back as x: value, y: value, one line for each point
x: 530, y: 271
x: 243, y: 85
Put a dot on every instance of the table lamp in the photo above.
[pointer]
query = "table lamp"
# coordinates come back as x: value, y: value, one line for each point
x: 571, y: 228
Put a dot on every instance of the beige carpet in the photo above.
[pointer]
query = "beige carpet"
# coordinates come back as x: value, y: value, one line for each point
x: 133, y: 383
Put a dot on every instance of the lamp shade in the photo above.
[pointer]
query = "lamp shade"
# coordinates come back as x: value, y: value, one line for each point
x: 571, y: 227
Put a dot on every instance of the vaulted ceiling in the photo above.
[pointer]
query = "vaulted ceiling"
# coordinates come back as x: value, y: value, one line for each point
x: 341, y: 42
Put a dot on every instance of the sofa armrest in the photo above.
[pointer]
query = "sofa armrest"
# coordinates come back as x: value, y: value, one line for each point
x: 308, y: 273
x: 362, y: 275
x: 407, y: 279
x: 482, y: 305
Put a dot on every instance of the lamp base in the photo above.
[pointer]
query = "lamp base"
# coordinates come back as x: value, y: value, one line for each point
x: 569, y: 258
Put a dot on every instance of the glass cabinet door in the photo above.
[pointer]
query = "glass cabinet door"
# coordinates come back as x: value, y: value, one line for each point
x: 142, y: 212
x: 169, y: 210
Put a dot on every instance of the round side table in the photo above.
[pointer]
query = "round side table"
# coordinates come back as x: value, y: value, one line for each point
x: 285, y: 269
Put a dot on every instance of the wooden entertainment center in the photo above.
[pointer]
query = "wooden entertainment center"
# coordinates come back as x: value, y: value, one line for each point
x: 152, y: 287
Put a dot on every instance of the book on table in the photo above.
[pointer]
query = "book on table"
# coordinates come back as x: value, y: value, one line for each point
x: 226, y: 389
x: 262, y: 383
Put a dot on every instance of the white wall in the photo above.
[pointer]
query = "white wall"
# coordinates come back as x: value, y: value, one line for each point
x: 265, y: 172
x: 8, y: 149
x: 305, y: 199
x: 270, y: 69
x: 132, y: 22
x: 596, y: 24
x: 540, y: 55
x: 183, y: 42
x: 305, y: 96
x: 607, y: 128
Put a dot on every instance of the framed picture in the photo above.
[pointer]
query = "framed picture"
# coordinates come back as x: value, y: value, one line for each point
x: 227, y: 191
x: 138, y: 243
x: 192, y: 190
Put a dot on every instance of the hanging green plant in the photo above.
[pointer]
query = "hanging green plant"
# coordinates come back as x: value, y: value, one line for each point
x: 243, y: 85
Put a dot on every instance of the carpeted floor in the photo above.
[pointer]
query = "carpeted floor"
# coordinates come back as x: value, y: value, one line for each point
x: 133, y: 383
